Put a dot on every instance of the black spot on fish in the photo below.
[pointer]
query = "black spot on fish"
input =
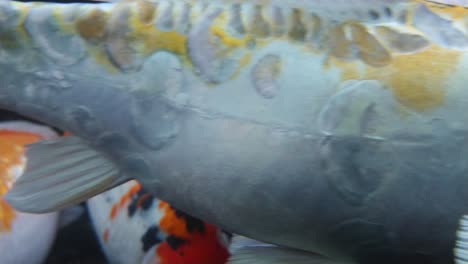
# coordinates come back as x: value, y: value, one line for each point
x: 147, y: 203
x: 141, y: 200
x: 175, y: 242
x: 192, y: 224
x: 141, y: 192
x: 388, y: 12
x: 132, y: 209
x: 150, y: 238
x: 374, y: 14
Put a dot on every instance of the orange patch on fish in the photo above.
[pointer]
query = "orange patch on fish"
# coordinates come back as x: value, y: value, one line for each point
x: 7, y: 214
x: 113, y: 212
x: 11, y: 153
x: 200, y: 248
x: 171, y: 223
x: 179, y: 244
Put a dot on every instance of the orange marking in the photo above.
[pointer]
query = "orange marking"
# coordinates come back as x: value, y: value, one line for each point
x: 123, y: 200
x: 171, y: 223
x: 105, y: 235
x: 11, y: 151
x: 126, y: 197
x: 7, y: 214
x: 200, y: 248
x: 142, y: 199
x: 113, y: 212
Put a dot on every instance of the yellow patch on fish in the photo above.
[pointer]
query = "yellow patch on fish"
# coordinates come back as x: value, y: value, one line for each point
x: 151, y: 38
x: 92, y: 26
x: 147, y: 11
x: 16, y: 37
x: 417, y: 80
x: 370, y: 49
x: 225, y: 38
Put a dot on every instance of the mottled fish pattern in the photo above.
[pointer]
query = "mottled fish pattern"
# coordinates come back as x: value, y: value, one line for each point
x: 341, y: 101
x: 135, y: 227
x: 219, y: 41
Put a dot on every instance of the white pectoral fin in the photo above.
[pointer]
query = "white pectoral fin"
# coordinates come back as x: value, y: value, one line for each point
x: 461, y: 246
x: 248, y: 251
x: 60, y: 173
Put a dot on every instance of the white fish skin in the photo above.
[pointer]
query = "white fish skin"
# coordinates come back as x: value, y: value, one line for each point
x: 321, y: 131
x: 30, y: 238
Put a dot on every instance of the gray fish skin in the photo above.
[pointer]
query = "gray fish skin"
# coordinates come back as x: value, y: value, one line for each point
x: 343, y: 134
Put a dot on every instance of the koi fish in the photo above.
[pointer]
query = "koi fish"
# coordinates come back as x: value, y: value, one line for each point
x: 24, y: 238
x: 134, y: 227
x: 335, y: 130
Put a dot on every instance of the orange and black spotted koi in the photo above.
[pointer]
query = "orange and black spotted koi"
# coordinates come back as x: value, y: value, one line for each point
x: 169, y: 235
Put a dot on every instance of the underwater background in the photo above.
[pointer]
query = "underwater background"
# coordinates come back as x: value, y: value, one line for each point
x: 76, y: 244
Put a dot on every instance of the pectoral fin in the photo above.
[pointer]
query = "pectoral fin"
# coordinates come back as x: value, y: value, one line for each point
x: 277, y: 255
x: 461, y: 246
x: 60, y: 173
x: 248, y: 251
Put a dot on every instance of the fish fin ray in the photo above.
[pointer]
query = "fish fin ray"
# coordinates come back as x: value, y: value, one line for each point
x: 50, y: 182
x: 239, y: 242
x: 461, y: 246
x: 248, y: 251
